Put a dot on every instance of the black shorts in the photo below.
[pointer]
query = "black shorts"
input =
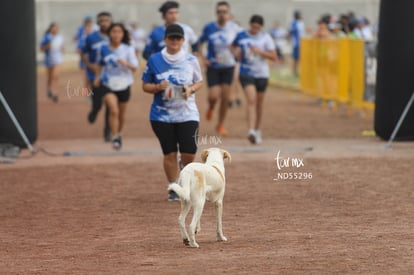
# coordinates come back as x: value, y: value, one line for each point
x: 259, y: 83
x: 174, y: 135
x: 219, y: 76
x: 123, y: 96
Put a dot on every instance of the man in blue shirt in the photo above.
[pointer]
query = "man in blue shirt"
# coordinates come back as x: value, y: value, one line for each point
x: 170, y: 15
x: 219, y: 61
x: 93, y: 43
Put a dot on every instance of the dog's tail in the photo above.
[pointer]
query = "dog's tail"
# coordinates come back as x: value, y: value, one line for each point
x: 182, y: 188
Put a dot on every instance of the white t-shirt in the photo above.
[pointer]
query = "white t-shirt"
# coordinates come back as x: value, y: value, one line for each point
x: 252, y: 64
x: 115, y: 76
x: 53, y: 55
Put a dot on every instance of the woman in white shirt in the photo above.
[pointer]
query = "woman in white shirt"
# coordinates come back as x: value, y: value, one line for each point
x: 255, y: 47
x: 117, y: 62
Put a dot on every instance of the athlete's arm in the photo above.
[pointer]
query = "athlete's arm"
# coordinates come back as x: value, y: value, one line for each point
x: 153, y: 88
x: 97, y: 80
x: 188, y: 90
x: 271, y: 55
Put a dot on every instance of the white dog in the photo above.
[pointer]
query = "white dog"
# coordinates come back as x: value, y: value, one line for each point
x: 197, y: 183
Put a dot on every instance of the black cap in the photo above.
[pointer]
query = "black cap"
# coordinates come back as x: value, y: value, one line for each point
x: 167, y: 6
x: 174, y: 30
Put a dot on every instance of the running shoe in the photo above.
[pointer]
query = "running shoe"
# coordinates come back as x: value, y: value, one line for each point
x: 117, y: 142
x: 258, y: 136
x: 251, y: 136
x: 92, y: 117
x: 221, y: 130
x: 53, y: 97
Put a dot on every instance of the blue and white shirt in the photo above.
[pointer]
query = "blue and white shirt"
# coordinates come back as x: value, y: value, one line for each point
x: 185, y: 71
x: 219, y: 41
x: 115, y: 76
x: 155, y: 41
x: 252, y: 64
x: 53, y: 55
x: 80, y: 46
x: 93, y: 44
x: 297, y: 30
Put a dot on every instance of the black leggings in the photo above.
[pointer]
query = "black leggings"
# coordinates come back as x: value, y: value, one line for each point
x: 97, y: 101
x: 172, y: 136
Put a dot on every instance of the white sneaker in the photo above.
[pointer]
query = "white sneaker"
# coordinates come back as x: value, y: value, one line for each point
x: 258, y: 136
x: 172, y: 196
x: 251, y: 136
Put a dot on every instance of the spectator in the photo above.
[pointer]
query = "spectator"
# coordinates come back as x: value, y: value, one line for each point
x: 363, y: 30
x: 336, y: 29
x: 352, y: 29
x: 323, y: 31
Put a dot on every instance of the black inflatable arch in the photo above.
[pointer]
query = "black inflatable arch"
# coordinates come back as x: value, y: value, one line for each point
x: 18, y: 69
x: 395, y: 75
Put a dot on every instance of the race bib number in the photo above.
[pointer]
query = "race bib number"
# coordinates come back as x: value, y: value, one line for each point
x: 253, y: 57
x: 118, y: 83
x: 174, y: 92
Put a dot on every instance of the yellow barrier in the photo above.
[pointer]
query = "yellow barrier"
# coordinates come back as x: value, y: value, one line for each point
x: 333, y: 70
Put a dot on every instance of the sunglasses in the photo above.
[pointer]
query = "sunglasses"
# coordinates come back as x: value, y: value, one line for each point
x: 222, y: 11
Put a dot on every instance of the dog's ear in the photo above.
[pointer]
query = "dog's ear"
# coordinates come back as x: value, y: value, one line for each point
x: 204, y: 155
x: 226, y: 155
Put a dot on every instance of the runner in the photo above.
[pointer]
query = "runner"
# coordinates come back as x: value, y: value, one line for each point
x: 170, y: 15
x: 253, y: 47
x: 219, y: 61
x: 87, y: 29
x: 173, y: 76
x: 93, y: 43
x: 52, y: 46
x: 114, y: 78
